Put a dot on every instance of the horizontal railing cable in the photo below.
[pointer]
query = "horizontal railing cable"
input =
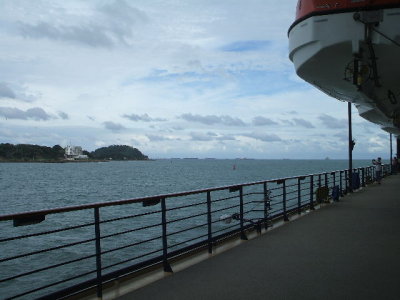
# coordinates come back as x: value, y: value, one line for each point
x: 46, y: 250
x: 131, y: 259
x: 186, y: 218
x: 130, y: 245
x: 45, y: 232
x: 130, y: 230
x: 52, y: 284
x: 131, y: 216
x: 187, y: 229
x: 48, y: 268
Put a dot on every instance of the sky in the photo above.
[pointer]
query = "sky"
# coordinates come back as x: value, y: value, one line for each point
x: 173, y: 78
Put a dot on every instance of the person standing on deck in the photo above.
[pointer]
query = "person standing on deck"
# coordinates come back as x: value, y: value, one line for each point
x: 378, y: 169
x: 395, y: 165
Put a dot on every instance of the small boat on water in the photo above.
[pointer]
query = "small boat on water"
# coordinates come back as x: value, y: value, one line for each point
x: 350, y: 50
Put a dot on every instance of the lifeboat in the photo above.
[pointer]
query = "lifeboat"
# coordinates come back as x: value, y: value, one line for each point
x: 350, y: 50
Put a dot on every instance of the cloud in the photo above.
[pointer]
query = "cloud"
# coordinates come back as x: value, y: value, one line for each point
x: 177, y: 128
x: 6, y: 92
x: 122, y: 16
x: 226, y: 137
x: 109, y: 25
x: 201, y: 137
x: 113, y: 126
x: 261, y: 121
x: 303, y: 123
x: 263, y: 137
x: 35, y: 113
x: 287, y: 122
x: 157, y: 138
x: 144, y: 118
x: 63, y: 115
x: 343, y: 136
x: 213, y: 119
x: 78, y: 34
x: 332, y: 122
x: 244, y: 46
x: 15, y: 92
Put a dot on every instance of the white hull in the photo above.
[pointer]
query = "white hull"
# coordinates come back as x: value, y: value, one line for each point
x: 322, y: 49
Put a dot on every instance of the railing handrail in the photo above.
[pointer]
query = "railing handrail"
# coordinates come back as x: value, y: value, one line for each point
x: 9, y: 217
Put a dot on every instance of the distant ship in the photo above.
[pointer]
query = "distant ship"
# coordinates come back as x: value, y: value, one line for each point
x: 350, y: 50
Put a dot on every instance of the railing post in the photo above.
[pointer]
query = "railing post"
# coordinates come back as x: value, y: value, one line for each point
x: 319, y: 180
x: 242, y: 234
x: 373, y: 174
x: 298, y: 196
x: 371, y: 179
x: 326, y: 180
x: 209, y: 222
x: 283, y: 182
x: 363, y: 177
x: 167, y: 267
x: 341, y: 183
x: 312, y: 192
x: 99, y: 286
x: 334, y: 188
x: 266, y: 205
x: 346, y: 181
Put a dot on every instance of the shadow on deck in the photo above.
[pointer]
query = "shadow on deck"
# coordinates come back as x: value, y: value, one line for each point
x: 349, y: 249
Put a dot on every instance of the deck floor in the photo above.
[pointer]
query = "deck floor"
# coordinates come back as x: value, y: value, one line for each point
x: 346, y: 250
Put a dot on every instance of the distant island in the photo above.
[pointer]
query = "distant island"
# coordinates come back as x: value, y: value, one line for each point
x: 36, y: 153
x: 118, y: 152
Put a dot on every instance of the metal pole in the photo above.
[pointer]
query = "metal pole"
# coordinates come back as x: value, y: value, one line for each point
x: 326, y: 180
x: 209, y: 221
x: 391, y: 154
x: 363, y: 177
x: 341, y: 183
x: 285, y: 217
x: 398, y: 147
x: 350, y: 145
x: 312, y: 192
x: 242, y: 233
x: 319, y: 181
x: 266, y: 205
x: 298, y: 196
x: 98, y: 252
x: 167, y: 267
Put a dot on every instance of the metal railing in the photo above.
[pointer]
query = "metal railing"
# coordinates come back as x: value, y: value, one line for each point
x: 72, y: 249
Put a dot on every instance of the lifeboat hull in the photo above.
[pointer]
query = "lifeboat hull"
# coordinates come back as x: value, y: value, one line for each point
x: 324, y: 47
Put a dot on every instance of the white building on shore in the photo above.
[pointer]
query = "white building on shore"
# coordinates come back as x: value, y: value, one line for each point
x: 74, y: 153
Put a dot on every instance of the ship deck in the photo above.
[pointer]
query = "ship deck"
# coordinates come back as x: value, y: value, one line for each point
x: 349, y: 249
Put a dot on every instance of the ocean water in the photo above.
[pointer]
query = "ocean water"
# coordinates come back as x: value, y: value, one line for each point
x: 35, y: 186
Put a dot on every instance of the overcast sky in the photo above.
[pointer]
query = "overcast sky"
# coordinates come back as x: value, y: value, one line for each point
x: 171, y: 78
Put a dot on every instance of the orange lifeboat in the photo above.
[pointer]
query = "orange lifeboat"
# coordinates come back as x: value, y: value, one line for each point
x: 350, y: 49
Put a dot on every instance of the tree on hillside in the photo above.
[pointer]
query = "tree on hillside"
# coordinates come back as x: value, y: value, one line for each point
x: 118, y: 152
x: 28, y: 152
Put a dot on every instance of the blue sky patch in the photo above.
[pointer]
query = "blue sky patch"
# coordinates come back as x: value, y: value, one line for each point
x: 243, y: 46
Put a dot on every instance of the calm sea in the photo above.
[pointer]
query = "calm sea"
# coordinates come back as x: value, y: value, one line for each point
x: 36, y: 186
